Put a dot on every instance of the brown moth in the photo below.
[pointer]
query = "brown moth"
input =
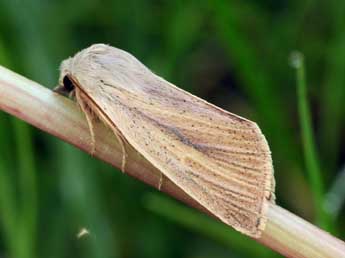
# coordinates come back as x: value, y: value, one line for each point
x: 220, y: 159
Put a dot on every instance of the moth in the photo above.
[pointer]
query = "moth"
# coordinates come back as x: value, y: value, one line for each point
x: 220, y: 159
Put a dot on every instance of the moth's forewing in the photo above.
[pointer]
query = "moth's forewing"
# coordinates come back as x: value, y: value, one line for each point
x: 220, y: 159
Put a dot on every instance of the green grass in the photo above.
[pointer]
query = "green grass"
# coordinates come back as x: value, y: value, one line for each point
x: 27, y: 210
x: 310, y: 153
x: 201, y: 224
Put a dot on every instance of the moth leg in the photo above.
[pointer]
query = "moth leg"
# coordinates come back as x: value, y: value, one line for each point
x: 92, y: 133
x: 72, y: 94
x: 89, y: 118
x: 160, y: 182
x: 90, y: 114
x: 121, y: 140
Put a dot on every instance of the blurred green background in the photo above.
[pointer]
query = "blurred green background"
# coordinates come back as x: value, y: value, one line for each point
x: 234, y: 54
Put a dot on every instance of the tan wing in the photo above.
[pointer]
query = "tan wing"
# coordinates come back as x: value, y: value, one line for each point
x: 220, y: 159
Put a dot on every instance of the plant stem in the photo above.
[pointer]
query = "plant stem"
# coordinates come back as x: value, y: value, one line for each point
x: 59, y: 116
x: 310, y: 154
x: 27, y: 220
x: 204, y: 225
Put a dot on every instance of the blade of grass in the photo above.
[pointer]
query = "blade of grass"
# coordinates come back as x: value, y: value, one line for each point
x: 27, y: 219
x: 309, y: 149
x: 332, y: 109
x: 7, y: 196
x: 257, y: 84
x: 184, y: 25
x: 82, y: 195
x: 30, y: 44
x: 335, y: 198
x: 8, y: 214
x: 204, y: 225
x: 8, y: 203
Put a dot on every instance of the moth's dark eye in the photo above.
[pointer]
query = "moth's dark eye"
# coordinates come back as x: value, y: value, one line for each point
x: 67, y: 83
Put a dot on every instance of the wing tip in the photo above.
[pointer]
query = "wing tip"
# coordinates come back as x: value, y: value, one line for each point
x: 258, y: 223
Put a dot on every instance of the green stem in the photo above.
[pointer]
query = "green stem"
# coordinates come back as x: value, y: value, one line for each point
x: 27, y: 220
x: 8, y: 214
x: 309, y: 149
x: 7, y: 209
x: 205, y: 225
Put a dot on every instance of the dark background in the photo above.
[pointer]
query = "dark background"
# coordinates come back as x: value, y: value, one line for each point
x: 234, y: 54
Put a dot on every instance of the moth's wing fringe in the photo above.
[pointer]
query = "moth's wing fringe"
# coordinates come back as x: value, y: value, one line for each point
x: 269, y: 186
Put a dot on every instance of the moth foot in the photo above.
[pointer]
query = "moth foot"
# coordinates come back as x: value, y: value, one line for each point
x: 160, y: 182
x: 124, y: 158
x: 93, y: 149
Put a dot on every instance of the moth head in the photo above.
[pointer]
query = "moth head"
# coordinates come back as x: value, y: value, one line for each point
x: 66, y: 86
